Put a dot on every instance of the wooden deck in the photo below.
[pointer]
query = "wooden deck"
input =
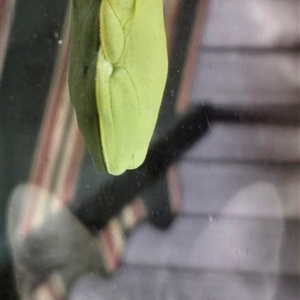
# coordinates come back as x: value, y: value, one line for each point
x: 237, y: 236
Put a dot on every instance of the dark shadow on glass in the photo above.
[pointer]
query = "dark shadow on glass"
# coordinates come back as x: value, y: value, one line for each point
x: 96, y: 211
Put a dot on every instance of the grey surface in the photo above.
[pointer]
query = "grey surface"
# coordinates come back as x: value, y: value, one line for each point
x: 222, y: 243
x: 240, y: 190
x: 252, y: 23
x: 168, y: 284
x: 244, y: 142
x: 247, y: 78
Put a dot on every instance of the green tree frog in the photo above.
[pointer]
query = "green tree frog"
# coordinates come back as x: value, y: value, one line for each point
x: 117, y: 74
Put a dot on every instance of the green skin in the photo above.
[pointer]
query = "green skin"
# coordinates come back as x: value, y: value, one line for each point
x: 117, y: 88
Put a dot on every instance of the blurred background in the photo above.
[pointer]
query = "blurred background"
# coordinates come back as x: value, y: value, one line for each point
x: 235, y: 193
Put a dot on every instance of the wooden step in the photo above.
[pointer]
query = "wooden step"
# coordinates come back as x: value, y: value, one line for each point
x: 170, y: 284
x: 240, y: 190
x: 247, y: 78
x: 252, y: 23
x: 236, y: 142
x: 266, y: 246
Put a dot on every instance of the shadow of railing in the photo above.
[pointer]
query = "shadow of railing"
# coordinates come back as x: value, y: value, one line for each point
x: 94, y: 212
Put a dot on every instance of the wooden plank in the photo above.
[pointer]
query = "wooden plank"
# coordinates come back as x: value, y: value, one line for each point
x: 6, y: 20
x: 252, y: 23
x: 228, y: 244
x: 248, y: 143
x: 247, y: 78
x: 261, y: 191
x: 165, y: 284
